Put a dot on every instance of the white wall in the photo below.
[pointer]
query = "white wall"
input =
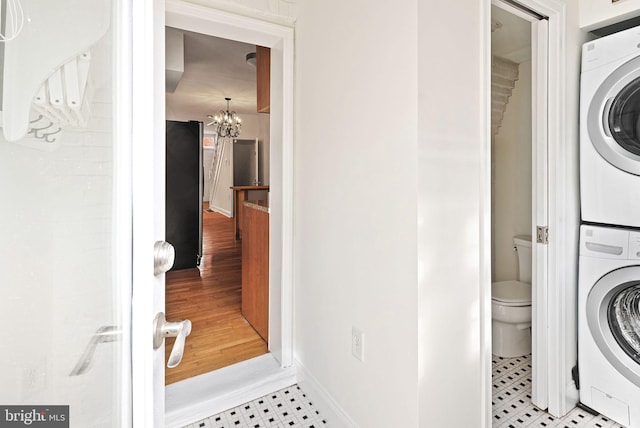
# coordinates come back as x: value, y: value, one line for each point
x: 511, y: 178
x: 401, y: 255
x: 355, y: 205
x: 453, y: 247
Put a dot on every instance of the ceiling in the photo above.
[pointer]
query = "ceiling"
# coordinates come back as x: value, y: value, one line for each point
x: 510, y: 36
x: 214, y: 68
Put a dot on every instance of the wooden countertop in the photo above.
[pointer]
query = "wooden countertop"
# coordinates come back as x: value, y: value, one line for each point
x: 261, y: 205
x: 249, y: 187
x: 241, y: 194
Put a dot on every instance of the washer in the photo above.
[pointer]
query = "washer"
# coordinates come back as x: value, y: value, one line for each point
x: 609, y: 322
x: 610, y: 129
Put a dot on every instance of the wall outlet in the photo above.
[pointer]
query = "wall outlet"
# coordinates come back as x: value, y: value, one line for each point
x: 357, y: 344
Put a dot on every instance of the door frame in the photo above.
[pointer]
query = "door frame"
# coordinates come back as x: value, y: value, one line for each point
x: 554, y: 316
x: 142, y: 112
x: 217, y: 23
x: 232, y: 386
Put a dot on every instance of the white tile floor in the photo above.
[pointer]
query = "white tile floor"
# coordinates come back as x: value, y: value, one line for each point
x: 286, y: 408
x: 512, y: 400
x: 512, y: 406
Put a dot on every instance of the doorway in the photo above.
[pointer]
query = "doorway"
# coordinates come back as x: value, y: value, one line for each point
x: 511, y: 165
x: 202, y: 73
x: 511, y: 136
x: 520, y: 176
x: 512, y: 203
x: 190, y: 399
x: 553, y: 341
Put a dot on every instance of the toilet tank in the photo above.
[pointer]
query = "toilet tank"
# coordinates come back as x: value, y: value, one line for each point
x: 523, y: 247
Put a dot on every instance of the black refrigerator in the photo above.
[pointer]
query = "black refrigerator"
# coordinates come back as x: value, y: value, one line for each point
x: 184, y: 184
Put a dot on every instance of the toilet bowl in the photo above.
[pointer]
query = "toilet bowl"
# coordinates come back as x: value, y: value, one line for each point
x: 511, y: 307
x: 511, y: 318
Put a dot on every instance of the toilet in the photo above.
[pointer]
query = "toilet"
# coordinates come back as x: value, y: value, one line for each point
x: 511, y: 307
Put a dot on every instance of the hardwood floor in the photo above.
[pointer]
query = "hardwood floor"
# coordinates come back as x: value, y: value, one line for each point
x: 211, y: 298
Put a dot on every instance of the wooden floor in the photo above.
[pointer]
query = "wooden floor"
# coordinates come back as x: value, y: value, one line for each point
x: 210, y: 298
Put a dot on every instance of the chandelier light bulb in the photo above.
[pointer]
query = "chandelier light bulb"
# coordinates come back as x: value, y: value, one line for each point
x: 227, y: 123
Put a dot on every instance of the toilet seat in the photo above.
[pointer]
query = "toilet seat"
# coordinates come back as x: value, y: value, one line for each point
x: 511, y: 293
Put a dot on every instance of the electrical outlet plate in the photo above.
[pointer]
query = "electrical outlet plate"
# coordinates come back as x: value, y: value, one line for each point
x: 357, y: 343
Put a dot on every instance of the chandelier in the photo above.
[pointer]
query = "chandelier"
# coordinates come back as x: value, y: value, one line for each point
x: 228, y: 124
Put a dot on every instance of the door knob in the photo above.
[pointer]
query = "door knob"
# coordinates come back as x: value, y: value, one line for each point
x: 164, y: 255
x: 179, y: 329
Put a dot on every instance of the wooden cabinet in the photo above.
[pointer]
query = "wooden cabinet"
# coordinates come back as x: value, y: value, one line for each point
x: 263, y: 79
x: 255, y: 266
x: 241, y: 194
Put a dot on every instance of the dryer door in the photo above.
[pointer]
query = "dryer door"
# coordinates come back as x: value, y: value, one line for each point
x: 613, y: 316
x: 613, y: 118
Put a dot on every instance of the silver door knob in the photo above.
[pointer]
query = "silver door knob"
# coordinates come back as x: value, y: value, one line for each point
x: 164, y: 255
x: 179, y: 329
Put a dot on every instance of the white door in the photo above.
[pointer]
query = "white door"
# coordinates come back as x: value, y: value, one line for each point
x: 66, y: 224
x: 540, y: 210
x: 82, y: 187
x: 148, y: 196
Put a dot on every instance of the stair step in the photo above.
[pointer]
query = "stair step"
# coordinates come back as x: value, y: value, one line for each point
x: 504, y: 74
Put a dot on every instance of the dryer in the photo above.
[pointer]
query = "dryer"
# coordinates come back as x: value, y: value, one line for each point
x: 610, y: 129
x: 609, y: 322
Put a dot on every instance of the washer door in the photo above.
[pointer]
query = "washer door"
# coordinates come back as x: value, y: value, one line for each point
x: 613, y: 119
x: 613, y: 316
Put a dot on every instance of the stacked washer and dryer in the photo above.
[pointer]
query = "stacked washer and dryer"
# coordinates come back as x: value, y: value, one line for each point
x: 609, y: 260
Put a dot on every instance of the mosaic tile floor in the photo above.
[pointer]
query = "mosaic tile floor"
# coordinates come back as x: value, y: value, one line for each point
x: 512, y: 400
x: 286, y: 408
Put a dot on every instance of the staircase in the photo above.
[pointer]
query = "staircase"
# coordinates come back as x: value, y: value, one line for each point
x: 214, y: 169
x: 504, y: 74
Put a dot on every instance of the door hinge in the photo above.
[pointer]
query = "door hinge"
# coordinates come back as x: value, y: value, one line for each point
x: 542, y: 234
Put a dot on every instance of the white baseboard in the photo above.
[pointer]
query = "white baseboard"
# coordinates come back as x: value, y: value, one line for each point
x: 328, y: 407
x: 202, y: 396
x: 220, y: 210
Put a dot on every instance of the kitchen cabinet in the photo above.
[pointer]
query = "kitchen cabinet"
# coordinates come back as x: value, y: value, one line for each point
x: 255, y: 266
x: 263, y: 79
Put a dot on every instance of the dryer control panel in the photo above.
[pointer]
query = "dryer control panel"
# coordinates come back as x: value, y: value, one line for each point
x: 610, y: 48
x: 607, y: 242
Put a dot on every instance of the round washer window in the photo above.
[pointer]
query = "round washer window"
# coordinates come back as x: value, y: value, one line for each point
x: 624, y: 318
x: 612, y: 117
x: 613, y: 316
x: 624, y: 117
